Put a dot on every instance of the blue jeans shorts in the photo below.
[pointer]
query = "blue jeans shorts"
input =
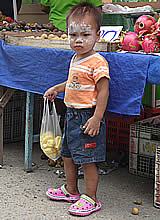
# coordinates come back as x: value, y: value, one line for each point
x: 81, y: 147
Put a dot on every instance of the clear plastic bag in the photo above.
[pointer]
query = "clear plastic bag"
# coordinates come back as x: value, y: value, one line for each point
x: 50, y: 134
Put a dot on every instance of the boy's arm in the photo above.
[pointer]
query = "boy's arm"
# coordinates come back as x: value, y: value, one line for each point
x: 60, y: 87
x: 102, y: 97
x: 92, y: 126
x: 52, y: 92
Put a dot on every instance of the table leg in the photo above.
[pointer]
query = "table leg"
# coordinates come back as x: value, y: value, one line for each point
x: 29, y: 132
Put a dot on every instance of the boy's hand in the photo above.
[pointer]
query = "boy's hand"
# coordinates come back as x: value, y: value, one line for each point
x: 92, y: 126
x: 51, y: 94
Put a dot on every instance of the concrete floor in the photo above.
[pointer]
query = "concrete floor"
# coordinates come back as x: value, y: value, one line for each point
x: 22, y: 195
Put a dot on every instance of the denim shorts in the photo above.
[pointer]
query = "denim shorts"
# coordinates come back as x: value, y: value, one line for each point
x: 81, y: 147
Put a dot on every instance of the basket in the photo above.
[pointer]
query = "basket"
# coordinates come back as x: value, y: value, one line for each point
x: 144, y: 140
x: 117, y: 131
x: 151, y: 112
x: 14, y: 116
x: 157, y: 179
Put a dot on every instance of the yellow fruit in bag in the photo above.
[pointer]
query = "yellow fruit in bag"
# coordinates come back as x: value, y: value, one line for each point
x: 58, y: 140
x: 51, y: 145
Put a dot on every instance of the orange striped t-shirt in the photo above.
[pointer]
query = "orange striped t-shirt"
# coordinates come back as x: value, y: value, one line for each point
x: 80, y: 91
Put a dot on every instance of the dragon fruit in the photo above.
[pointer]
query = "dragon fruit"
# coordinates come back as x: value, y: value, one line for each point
x: 151, y: 44
x: 144, y: 25
x: 130, y: 42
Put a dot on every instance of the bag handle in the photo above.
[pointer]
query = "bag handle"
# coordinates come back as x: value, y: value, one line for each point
x: 48, y: 107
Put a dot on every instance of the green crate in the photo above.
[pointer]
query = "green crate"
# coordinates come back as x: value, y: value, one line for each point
x: 118, y: 20
x: 151, y: 97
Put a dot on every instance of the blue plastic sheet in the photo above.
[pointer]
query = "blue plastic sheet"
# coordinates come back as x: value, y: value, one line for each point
x: 36, y: 69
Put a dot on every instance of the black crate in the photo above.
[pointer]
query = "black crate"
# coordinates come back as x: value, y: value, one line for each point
x: 14, y: 117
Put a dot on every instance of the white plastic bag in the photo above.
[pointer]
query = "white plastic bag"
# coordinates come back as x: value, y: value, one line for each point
x: 50, y: 134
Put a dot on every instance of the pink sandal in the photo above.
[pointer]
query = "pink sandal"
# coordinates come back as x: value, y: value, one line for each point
x: 61, y: 194
x: 84, y: 206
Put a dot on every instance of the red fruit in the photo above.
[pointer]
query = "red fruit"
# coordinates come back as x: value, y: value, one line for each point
x: 130, y: 42
x: 9, y: 19
x: 151, y: 44
x: 144, y: 24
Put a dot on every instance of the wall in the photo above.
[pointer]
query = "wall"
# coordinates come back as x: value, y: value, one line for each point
x: 32, y: 13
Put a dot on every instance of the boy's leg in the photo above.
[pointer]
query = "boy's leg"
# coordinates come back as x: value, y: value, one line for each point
x: 71, y: 175
x: 91, y: 179
x: 88, y: 203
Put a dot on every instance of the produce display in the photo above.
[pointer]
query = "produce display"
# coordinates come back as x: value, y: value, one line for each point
x: 8, y: 24
x: 22, y: 33
x: 146, y: 36
x: 51, y: 145
x: 31, y: 30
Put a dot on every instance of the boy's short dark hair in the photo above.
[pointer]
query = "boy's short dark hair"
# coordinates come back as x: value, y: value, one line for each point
x: 84, y: 8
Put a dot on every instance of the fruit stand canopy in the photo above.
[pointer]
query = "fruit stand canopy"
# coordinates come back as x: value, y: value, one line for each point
x: 36, y: 69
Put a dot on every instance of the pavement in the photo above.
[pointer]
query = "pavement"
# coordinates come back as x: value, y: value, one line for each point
x: 22, y: 195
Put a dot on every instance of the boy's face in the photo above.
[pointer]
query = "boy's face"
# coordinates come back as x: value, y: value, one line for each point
x: 82, y: 34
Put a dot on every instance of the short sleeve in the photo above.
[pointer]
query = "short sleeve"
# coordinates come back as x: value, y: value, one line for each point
x: 101, y: 69
x: 45, y: 2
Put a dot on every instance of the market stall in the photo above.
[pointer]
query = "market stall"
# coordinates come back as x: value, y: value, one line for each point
x: 49, y: 66
x: 32, y: 63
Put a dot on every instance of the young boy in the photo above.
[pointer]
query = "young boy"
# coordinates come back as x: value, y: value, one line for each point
x: 86, y: 95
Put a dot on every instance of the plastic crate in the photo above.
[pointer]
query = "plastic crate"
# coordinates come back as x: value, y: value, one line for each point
x: 151, y: 112
x: 151, y: 97
x: 118, y: 130
x: 144, y: 140
x: 157, y: 179
x: 117, y: 20
x: 141, y: 165
x: 14, y: 115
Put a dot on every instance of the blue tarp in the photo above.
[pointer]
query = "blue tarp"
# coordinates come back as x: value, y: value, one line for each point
x: 36, y: 69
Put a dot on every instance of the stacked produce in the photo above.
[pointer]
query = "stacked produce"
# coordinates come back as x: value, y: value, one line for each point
x: 49, y: 36
x: 8, y: 24
x: 146, y: 36
x: 22, y: 33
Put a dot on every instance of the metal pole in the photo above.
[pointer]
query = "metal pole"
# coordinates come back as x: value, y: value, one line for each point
x: 15, y: 9
x: 29, y: 132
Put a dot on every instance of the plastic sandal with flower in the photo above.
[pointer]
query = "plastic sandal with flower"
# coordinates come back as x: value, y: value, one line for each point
x: 84, y: 206
x: 61, y: 194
